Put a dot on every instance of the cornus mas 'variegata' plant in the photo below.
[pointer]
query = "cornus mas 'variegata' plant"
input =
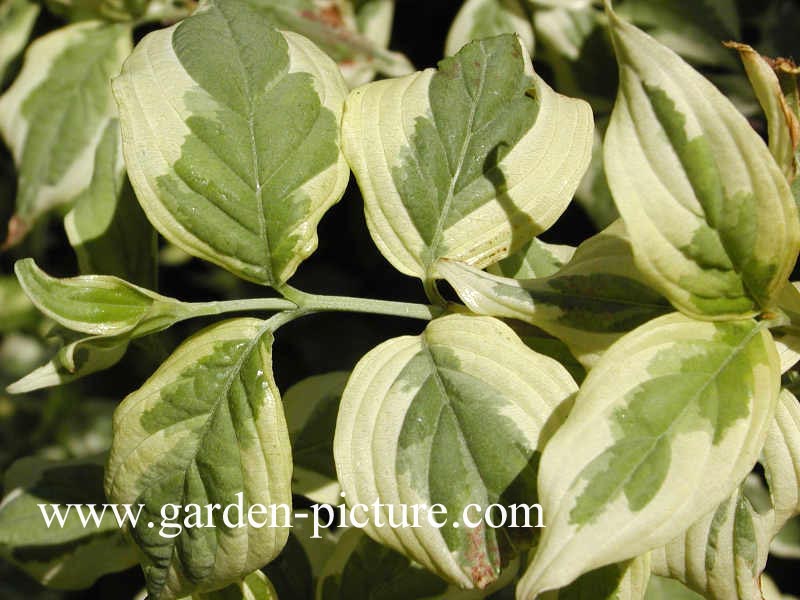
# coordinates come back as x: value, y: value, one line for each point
x: 633, y: 412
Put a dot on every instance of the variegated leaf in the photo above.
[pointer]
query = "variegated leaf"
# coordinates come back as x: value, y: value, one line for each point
x: 468, y: 162
x: 588, y: 304
x: 54, y: 115
x: 723, y: 554
x: 454, y: 416
x: 666, y: 425
x: 534, y: 259
x: 110, y: 310
x: 781, y: 459
x: 107, y: 228
x: 190, y: 94
x: 99, y: 305
x: 76, y: 358
x: 478, y: 19
x: 16, y: 22
x: 69, y: 554
x: 206, y: 428
x: 687, y: 170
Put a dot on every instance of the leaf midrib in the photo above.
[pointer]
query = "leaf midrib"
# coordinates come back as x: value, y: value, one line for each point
x: 445, y: 212
x: 29, y: 192
x: 250, y: 117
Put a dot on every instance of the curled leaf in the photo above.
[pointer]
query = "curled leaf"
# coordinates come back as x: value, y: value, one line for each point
x: 467, y: 162
x: 686, y: 171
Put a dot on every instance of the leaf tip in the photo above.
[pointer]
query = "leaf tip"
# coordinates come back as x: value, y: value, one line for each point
x: 20, y: 386
x: 17, y: 230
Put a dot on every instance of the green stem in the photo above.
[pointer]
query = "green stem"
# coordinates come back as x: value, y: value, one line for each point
x: 275, y: 322
x: 319, y: 303
x: 296, y: 303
